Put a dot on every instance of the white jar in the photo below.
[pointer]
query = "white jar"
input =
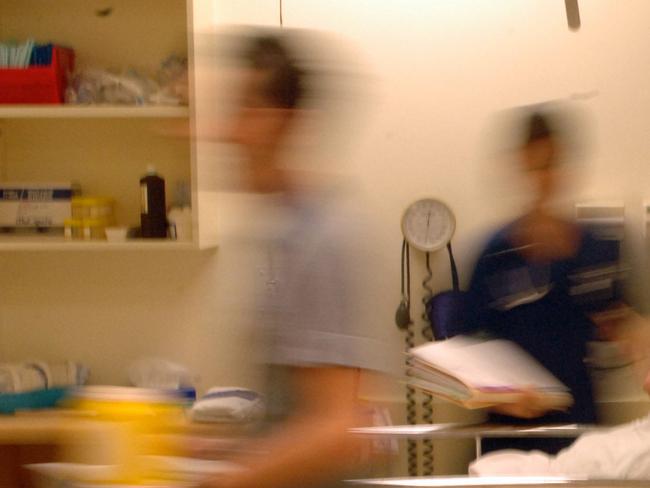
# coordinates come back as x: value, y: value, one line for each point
x: 180, y: 223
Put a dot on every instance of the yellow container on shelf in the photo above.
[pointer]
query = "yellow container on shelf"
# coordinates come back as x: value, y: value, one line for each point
x: 73, y: 229
x: 94, y: 229
x: 93, y: 208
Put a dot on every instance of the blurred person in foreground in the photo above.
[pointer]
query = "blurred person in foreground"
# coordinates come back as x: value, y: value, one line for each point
x: 314, y: 354
x: 545, y: 283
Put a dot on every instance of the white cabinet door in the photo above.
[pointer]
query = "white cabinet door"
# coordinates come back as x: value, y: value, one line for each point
x: 210, y: 157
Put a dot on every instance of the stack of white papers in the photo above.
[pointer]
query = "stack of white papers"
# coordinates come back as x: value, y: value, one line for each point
x: 479, y: 373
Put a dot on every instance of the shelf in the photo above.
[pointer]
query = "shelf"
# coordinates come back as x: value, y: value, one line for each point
x: 460, y: 431
x: 91, y: 111
x: 57, y: 243
x: 498, y: 482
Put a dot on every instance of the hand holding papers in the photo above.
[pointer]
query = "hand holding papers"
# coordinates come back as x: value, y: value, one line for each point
x: 481, y: 373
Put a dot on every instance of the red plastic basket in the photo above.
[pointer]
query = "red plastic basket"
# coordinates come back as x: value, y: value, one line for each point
x: 38, y: 84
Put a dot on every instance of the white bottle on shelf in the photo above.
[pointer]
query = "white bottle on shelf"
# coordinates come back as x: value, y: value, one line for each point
x: 180, y: 223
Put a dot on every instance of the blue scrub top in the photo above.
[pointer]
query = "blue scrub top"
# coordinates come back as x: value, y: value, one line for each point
x: 543, y: 307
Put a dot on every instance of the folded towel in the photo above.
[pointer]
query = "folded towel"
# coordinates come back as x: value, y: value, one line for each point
x: 16, y: 378
x: 159, y: 374
x: 228, y: 405
x: 38, y: 375
x: 511, y: 462
x: 67, y: 374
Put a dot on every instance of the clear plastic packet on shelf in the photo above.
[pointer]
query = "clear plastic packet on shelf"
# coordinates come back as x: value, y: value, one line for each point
x: 173, y: 81
x: 131, y: 87
x: 102, y: 86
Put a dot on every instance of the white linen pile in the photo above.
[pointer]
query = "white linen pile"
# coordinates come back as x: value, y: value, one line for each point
x: 38, y: 375
x: 617, y: 453
x: 228, y: 405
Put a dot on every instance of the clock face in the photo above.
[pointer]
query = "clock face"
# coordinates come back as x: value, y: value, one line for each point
x: 428, y: 224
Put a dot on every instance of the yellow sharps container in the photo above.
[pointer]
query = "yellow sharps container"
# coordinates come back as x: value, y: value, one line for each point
x: 138, y: 416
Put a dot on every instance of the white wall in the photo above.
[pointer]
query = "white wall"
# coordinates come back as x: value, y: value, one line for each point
x: 107, y: 309
x: 442, y: 69
x: 439, y: 70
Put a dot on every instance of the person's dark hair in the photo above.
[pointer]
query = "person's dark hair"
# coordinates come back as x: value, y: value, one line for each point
x: 538, y: 126
x: 285, y: 87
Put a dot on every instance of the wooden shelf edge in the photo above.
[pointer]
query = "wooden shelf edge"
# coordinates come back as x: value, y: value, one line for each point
x: 91, y: 111
x: 18, y: 245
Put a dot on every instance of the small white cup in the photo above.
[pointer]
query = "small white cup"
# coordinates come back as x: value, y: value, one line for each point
x: 116, y: 234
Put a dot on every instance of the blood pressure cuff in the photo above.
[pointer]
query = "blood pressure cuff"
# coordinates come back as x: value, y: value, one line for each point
x: 446, y: 312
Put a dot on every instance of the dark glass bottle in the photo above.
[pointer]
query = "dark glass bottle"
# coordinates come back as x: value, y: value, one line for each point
x: 153, y: 213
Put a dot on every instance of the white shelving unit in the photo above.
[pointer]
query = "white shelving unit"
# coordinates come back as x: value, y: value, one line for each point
x: 103, y: 147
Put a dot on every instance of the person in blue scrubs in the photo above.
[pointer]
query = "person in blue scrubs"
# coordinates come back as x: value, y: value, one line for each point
x: 541, y: 281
